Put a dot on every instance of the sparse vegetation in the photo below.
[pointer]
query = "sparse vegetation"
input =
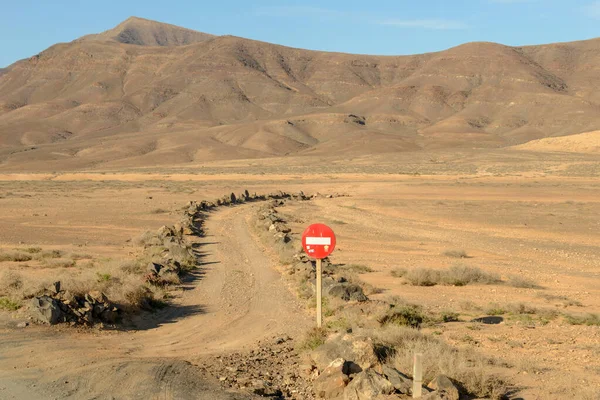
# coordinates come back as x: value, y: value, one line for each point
x: 357, y: 268
x: 456, y: 253
x: 465, y: 366
x: 457, y: 275
x: 8, y: 304
x: 522, y: 282
x: 313, y: 339
x: 15, y: 257
x: 589, y: 319
x: 398, y: 272
x: 403, y: 315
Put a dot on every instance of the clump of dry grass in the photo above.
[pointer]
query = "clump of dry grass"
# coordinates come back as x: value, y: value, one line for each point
x: 589, y: 319
x: 59, y: 263
x: 562, y: 300
x: 457, y: 275
x: 403, y: 315
x: 356, y: 268
x: 464, y: 366
x: 8, y: 304
x: 313, y: 339
x: 44, y: 254
x: 456, y: 253
x: 522, y: 282
x: 15, y: 256
x: 398, y: 272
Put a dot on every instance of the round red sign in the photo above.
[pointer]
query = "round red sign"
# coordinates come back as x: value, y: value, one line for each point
x: 318, y: 241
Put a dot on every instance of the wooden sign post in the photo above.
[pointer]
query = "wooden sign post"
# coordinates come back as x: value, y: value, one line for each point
x: 318, y: 241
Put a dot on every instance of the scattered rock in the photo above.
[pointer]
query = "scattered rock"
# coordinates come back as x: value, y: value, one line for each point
x: 349, y: 347
x: 368, y: 385
x: 332, y: 381
x: 22, y: 324
x: 347, y: 291
x: 46, y: 310
x: 444, y: 387
x: 402, y: 383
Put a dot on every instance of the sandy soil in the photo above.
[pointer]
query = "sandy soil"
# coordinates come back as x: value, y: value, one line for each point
x: 541, y: 228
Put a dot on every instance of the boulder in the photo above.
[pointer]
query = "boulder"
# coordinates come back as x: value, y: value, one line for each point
x: 46, y: 309
x: 96, y: 296
x: 444, y: 387
x: 232, y: 198
x: 347, y: 291
x: 401, y: 382
x: 368, y: 385
x: 359, y: 350
x: 332, y: 381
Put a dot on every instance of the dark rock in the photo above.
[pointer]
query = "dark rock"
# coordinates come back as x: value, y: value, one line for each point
x: 46, y: 309
x: 347, y: 292
x: 402, y: 383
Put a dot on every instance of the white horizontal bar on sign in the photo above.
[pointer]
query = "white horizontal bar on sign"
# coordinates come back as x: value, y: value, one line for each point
x: 324, y: 241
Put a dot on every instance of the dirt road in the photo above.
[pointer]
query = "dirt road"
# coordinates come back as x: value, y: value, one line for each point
x: 236, y: 299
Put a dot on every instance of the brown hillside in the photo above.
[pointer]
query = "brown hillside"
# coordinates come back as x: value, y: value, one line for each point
x: 143, y: 32
x: 163, y: 94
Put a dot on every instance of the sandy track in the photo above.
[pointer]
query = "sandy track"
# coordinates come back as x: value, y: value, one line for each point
x: 236, y: 299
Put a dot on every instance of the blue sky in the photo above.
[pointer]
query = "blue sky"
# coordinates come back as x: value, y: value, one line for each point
x: 376, y: 27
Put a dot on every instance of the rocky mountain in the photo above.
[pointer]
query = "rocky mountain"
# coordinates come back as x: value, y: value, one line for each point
x: 147, y: 93
x: 144, y: 32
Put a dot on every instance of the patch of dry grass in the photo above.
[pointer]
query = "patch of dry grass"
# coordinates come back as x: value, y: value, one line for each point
x: 313, y: 339
x: 465, y: 366
x: 398, y: 272
x: 15, y: 256
x: 456, y: 254
x: 588, y: 319
x: 457, y: 275
x: 522, y: 282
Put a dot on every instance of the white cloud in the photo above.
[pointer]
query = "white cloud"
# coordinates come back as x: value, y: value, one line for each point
x: 436, y: 24
x: 592, y: 9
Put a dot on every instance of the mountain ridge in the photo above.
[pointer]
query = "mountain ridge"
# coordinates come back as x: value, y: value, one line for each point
x: 100, y: 102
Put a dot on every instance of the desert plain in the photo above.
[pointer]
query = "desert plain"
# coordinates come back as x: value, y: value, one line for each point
x: 463, y: 187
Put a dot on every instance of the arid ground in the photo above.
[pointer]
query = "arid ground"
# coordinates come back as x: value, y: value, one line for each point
x: 531, y: 218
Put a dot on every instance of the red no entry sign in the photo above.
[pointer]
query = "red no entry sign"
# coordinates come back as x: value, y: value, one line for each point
x: 318, y: 241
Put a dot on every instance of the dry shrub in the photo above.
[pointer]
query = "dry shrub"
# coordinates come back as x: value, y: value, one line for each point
x: 423, y: 277
x: 464, y: 366
x: 456, y: 253
x: 589, y: 319
x: 461, y: 275
x: 58, y: 263
x: 48, y: 254
x: 522, y: 282
x: 11, y: 282
x: 356, y: 268
x: 403, y: 315
x: 31, y: 250
x: 9, y: 304
x: 313, y: 339
x: 457, y: 275
x: 15, y: 256
x: 398, y: 272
